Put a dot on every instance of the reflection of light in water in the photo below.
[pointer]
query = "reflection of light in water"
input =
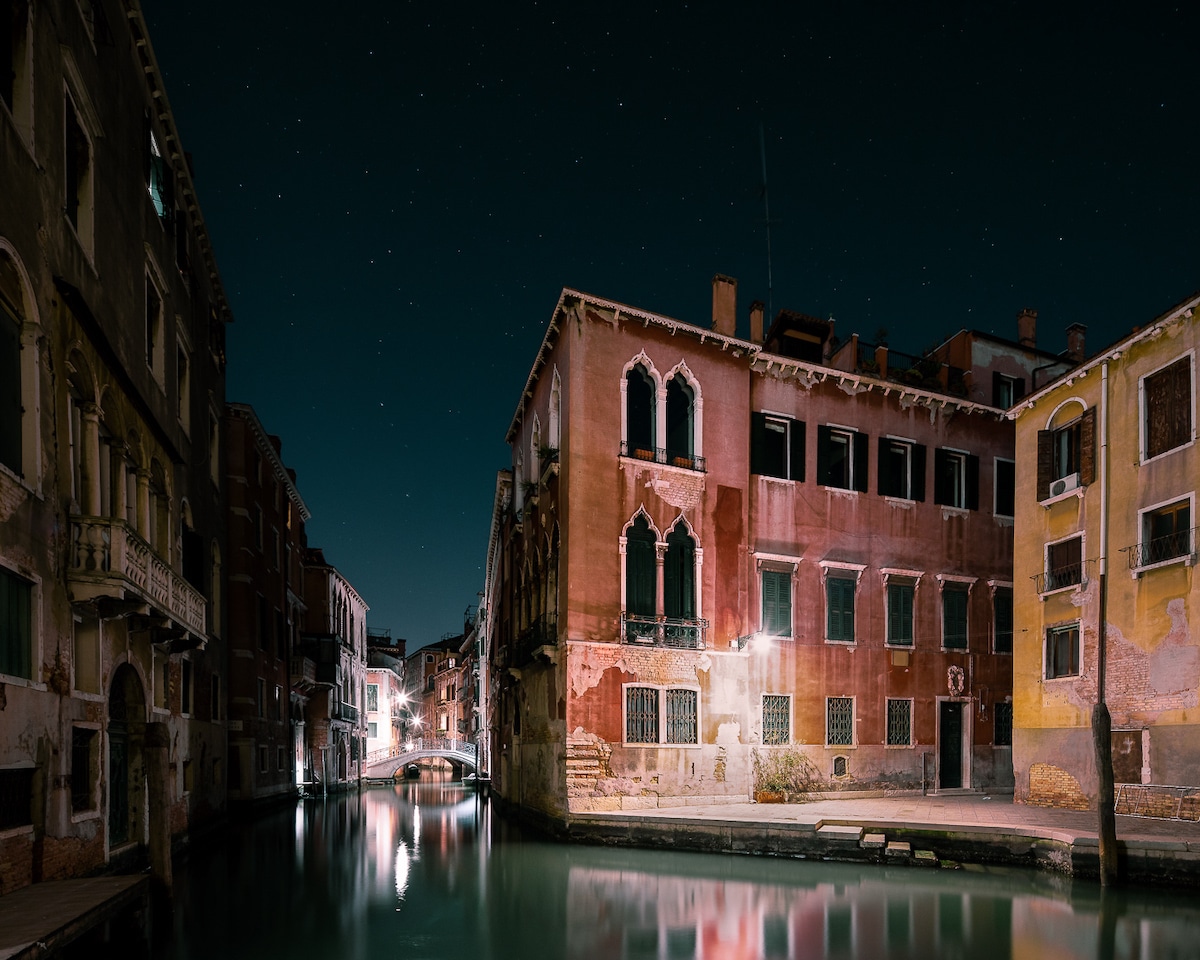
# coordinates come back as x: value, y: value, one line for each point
x: 299, y: 835
x: 401, y: 869
x: 416, y: 828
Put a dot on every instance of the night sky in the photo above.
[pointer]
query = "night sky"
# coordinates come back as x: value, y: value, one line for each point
x: 397, y: 192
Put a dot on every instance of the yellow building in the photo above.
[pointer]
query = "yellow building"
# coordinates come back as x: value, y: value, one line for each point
x: 1106, y: 477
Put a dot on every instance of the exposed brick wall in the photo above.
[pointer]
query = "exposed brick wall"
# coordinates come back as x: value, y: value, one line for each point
x: 1051, y: 786
x: 66, y: 857
x: 16, y: 863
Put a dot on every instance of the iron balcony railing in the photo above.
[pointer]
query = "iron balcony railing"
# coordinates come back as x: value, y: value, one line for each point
x: 347, y: 711
x: 682, y: 633
x: 1174, y: 546
x: 663, y: 455
x: 1070, y: 575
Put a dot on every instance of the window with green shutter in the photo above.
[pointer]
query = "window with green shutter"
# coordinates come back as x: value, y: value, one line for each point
x: 679, y: 575
x: 900, y: 614
x: 777, y: 603
x: 640, y: 578
x: 954, y: 618
x: 839, y: 603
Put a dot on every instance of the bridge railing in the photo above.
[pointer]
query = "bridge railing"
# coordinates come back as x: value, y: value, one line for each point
x: 422, y: 745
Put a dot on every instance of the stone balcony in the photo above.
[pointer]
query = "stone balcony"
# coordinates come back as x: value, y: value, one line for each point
x: 109, y: 561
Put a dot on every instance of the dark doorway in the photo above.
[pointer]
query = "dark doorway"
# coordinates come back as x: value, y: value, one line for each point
x: 126, y: 774
x: 950, y: 734
x: 1127, y: 756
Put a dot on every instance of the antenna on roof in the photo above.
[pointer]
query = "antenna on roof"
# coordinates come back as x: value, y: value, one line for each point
x: 762, y: 145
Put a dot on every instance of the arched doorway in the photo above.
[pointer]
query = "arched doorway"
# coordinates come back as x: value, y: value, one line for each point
x: 126, y: 758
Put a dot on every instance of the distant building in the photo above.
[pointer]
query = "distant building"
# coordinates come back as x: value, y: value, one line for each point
x: 387, y: 700
x: 1107, y: 468
x: 112, y: 389
x: 334, y: 639
x: 265, y: 608
x: 715, y: 549
x: 430, y: 672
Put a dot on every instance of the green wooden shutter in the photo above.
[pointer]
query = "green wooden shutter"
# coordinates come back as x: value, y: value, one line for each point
x: 840, y: 604
x: 777, y: 603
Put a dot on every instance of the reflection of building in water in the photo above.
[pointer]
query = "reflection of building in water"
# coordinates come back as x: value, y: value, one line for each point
x: 641, y: 915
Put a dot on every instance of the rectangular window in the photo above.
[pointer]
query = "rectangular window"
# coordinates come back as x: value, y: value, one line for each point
x: 1005, y: 488
x: 776, y: 719
x: 681, y: 716
x: 185, y: 687
x: 154, y: 329
x: 842, y: 458
x: 1167, y: 408
x: 372, y: 696
x: 1166, y: 534
x: 1002, y: 603
x: 1066, y: 456
x: 16, y: 797
x: 1003, y: 725
x: 372, y: 730
x: 1062, y: 651
x: 77, y: 175
x: 11, y: 405
x: 899, y: 723
x: 954, y: 617
x: 16, y: 626
x: 264, y: 759
x: 1064, y: 564
x: 183, y: 400
x: 839, y: 721
x: 1006, y: 390
x: 776, y: 446
x: 278, y: 702
x: 900, y: 614
x: 777, y: 603
x: 839, y: 603
x: 956, y: 479
x: 281, y: 758
x: 84, y: 765
x: 901, y: 469
x: 641, y: 715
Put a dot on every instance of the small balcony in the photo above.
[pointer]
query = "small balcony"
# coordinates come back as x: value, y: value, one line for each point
x: 1061, y: 578
x: 346, y: 711
x: 540, y: 634
x: 663, y: 456
x: 108, y: 560
x: 680, y: 633
x: 1177, y: 547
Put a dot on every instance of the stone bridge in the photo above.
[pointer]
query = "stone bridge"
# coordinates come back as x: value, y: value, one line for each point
x: 384, y: 764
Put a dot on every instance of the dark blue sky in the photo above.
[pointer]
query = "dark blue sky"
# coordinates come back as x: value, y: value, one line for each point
x: 398, y: 191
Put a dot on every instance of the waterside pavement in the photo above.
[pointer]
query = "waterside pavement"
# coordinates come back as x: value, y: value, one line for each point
x: 947, y: 829
x: 43, y: 919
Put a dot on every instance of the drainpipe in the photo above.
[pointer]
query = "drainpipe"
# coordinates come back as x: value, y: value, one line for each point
x: 1101, y: 720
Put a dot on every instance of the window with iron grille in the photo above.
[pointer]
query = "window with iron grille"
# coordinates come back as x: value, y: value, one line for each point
x: 641, y: 715
x: 776, y: 719
x: 954, y: 618
x: 839, y: 721
x: 681, y: 716
x: 1002, y: 604
x: 1166, y: 534
x: 1002, y: 721
x: 1062, y: 651
x: 899, y: 723
x: 1064, y: 564
x: 839, y: 603
x: 1167, y: 408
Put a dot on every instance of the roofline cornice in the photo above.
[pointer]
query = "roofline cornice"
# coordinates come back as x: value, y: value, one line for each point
x: 246, y: 412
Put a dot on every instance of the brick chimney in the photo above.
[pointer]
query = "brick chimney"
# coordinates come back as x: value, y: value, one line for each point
x: 724, y: 314
x: 756, y: 321
x: 1076, y: 339
x: 1027, y: 328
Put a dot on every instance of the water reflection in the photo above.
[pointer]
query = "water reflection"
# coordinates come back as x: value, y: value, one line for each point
x: 423, y: 870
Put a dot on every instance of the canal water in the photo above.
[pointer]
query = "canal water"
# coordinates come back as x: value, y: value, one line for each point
x: 425, y: 869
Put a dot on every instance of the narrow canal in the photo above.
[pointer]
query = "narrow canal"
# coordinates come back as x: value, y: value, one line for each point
x: 425, y: 870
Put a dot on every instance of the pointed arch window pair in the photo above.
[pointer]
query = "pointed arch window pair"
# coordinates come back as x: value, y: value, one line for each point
x: 671, y: 438
x: 669, y: 567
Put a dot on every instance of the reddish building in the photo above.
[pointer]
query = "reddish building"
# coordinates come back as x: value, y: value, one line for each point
x: 266, y: 540
x: 716, y: 549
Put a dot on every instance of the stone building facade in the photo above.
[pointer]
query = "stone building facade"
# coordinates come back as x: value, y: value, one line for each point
x: 1107, y: 468
x: 712, y: 549
x: 112, y: 384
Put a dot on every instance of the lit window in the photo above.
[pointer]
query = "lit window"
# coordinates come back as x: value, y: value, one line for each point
x: 839, y: 721
x: 777, y: 603
x: 1167, y: 408
x: 776, y: 719
x: 841, y: 458
x: 956, y: 479
x: 776, y: 446
x: 839, y: 602
x: 899, y: 723
x: 954, y: 617
x: 1062, y: 651
x: 901, y: 469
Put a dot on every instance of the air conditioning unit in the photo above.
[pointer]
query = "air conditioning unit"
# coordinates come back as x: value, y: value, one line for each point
x: 1064, y: 485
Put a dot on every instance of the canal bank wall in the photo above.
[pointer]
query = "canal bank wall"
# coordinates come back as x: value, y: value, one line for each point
x: 924, y: 832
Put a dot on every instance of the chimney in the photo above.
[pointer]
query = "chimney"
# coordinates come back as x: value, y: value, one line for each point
x: 1027, y: 328
x: 756, y: 321
x: 1076, y: 337
x: 724, y: 319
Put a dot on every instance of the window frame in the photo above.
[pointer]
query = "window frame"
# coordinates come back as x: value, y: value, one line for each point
x: 999, y: 589
x: 996, y: 511
x: 1144, y: 517
x: 781, y: 700
x: 663, y: 722
x: 956, y: 587
x: 1076, y: 658
x: 784, y: 577
x: 841, y: 745
x: 856, y: 444
x: 842, y: 612
x: 887, y: 721
x: 791, y: 465
x: 899, y: 584
x: 996, y: 726
x: 955, y: 478
x: 1047, y: 573
x: 30, y: 642
x: 912, y: 488
x: 1049, y: 471
x: 1144, y: 454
